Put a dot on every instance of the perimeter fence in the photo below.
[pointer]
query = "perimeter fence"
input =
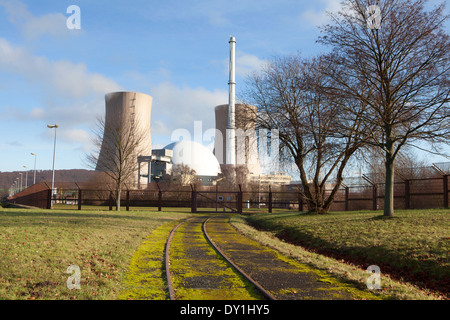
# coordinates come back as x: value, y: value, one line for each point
x: 362, y: 193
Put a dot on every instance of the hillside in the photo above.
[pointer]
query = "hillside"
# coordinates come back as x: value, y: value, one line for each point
x: 73, y: 175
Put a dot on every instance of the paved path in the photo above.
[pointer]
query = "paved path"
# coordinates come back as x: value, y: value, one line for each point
x: 199, y: 272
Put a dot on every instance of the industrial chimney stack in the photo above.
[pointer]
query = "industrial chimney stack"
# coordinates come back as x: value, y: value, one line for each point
x: 231, y: 129
x: 236, y: 144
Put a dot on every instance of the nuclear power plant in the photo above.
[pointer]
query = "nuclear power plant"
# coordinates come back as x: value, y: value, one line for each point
x: 235, y: 142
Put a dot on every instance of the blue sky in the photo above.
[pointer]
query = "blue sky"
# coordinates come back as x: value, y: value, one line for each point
x: 175, y: 51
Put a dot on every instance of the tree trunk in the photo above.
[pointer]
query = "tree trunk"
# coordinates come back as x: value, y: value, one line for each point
x: 119, y: 192
x: 389, y: 186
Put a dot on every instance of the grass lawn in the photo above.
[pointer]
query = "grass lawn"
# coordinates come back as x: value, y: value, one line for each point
x: 412, y: 246
x: 37, y: 247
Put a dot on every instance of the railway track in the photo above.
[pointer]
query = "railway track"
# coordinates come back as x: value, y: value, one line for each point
x: 207, y: 259
x: 197, y: 267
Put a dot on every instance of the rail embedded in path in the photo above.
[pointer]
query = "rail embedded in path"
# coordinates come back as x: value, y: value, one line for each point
x: 225, y: 261
x: 263, y: 291
x: 167, y: 261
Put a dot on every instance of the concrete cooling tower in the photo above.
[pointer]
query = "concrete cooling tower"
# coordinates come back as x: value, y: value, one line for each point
x: 246, y: 141
x: 129, y: 110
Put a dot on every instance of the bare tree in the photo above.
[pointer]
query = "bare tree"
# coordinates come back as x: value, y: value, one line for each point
x: 117, y: 145
x: 313, y: 132
x: 232, y: 176
x: 407, y: 165
x: 184, y: 175
x: 399, y: 70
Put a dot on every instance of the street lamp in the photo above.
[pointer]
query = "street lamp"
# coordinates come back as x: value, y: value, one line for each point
x: 21, y: 179
x: 54, y: 152
x: 35, y: 155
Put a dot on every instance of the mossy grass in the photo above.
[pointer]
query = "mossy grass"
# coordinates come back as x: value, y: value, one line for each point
x: 37, y: 246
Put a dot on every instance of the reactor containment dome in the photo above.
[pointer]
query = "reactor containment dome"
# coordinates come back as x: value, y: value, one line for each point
x: 196, y: 156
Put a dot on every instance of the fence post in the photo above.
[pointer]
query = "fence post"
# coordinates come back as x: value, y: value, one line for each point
x: 80, y: 198
x: 374, y: 197
x: 128, y: 200
x: 300, y: 202
x: 159, y: 200
x: 49, y: 198
x: 239, y: 200
x: 407, y: 198
x: 193, y: 200
x: 346, y: 198
x: 110, y: 201
x: 270, y: 199
x: 445, y: 180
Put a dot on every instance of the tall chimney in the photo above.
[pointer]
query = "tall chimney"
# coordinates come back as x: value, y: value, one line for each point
x: 231, y: 140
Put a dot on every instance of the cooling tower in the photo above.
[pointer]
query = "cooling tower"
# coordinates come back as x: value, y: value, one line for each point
x: 129, y: 110
x: 245, y: 142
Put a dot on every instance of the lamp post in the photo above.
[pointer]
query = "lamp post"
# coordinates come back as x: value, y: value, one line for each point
x: 35, y: 155
x: 21, y: 179
x: 55, y: 126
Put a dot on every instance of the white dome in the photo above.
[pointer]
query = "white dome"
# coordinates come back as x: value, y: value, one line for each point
x: 196, y: 156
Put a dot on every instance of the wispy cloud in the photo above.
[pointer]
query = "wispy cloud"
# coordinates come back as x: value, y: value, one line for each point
x: 53, y: 24
x: 245, y: 63
x: 72, y: 96
x: 177, y: 107
x: 56, y: 77
x: 317, y: 17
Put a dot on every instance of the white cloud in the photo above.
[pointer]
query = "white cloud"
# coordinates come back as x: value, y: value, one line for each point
x: 59, y: 77
x: 53, y: 24
x: 71, y: 95
x: 59, y: 80
x: 246, y: 63
x: 320, y: 17
x: 37, y: 113
x: 178, y: 107
x: 75, y: 135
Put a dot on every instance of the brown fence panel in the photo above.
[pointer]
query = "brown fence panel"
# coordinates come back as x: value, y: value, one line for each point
x: 426, y: 193
x: 37, y: 195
